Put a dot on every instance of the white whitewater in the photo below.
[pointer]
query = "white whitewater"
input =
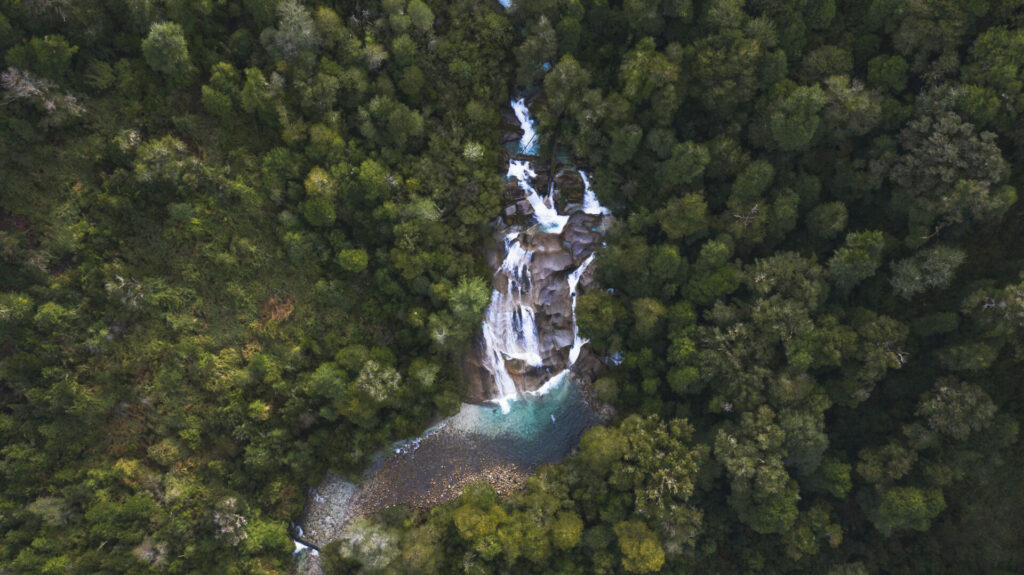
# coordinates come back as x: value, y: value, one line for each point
x: 528, y: 143
x: 300, y: 546
x: 574, y: 280
x: 543, y: 209
x: 590, y: 203
x: 509, y: 327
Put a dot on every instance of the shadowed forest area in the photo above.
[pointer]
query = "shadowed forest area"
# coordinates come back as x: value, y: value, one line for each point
x: 243, y: 243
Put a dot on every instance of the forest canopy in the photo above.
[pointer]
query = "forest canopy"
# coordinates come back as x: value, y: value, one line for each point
x: 242, y: 243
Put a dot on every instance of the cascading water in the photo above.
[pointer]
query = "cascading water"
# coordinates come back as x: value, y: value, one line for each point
x: 509, y: 329
x: 547, y: 216
x: 574, y: 280
x: 528, y: 143
x: 590, y: 203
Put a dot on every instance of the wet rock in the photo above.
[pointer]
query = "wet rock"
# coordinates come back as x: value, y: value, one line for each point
x: 479, y: 383
x: 523, y: 208
x: 580, y: 252
x: 544, y: 243
x: 588, y: 280
x: 508, y: 117
x: 517, y: 208
x: 556, y: 340
x: 517, y: 211
x: 307, y: 563
x: 533, y: 380
x: 582, y: 234
x: 544, y: 265
x: 570, y: 184
x: 512, y: 191
x: 552, y: 257
x: 587, y: 368
x: 528, y: 377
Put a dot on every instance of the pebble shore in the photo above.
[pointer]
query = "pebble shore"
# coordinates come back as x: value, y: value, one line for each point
x: 421, y: 478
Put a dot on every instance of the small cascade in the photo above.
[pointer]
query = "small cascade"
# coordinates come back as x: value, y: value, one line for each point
x: 543, y: 209
x: 510, y: 330
x: 574, y: 281
x: 590, y: 203
x: 299, y: 545
x: 528, y: 143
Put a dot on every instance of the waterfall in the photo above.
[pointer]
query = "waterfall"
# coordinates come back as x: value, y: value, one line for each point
x: 574, y: 280
x: 509, y: 328
x: 590, y: 203
x: 543, y: 209
x: 528, y: 143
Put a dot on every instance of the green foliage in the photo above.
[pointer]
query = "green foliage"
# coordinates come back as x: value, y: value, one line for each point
x: 645, y: 70
x: 597, y: 314
x: 827, y: 220
x: 468, y: 299
x: 857, y: 260
x: 884, y: 465
x: 567, y: 530
x: 641, y: 550
x: 900, y: 508
x: 796, y: 122
x: 926, y: 270
x: 950, y: 174
x: 296, y: 33
x: 420, y: 15
x: 762, y: 493
x: 166, y: 51
x: 833, y: 476
x: 565, y: 84
x: 353, y: 260
x: 956, y: 408
x: 889, y: 72
x: 754, y: 180
x: 49, y: 56
x: 539, y: 46
x: 684, y: 217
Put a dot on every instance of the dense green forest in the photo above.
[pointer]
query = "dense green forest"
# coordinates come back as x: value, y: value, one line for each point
x: 242, y: 243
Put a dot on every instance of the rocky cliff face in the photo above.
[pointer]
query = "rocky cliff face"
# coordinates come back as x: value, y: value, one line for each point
x: 544, y: 288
